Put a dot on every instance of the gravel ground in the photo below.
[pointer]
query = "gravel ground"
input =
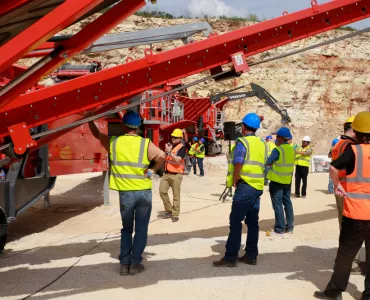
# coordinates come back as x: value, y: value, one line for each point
x: 70, y: 250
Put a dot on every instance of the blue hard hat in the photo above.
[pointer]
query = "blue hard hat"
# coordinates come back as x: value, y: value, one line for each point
x: 252, y: 120
x: 334, y: 142
x: 195, y: 139
x: 203, y: 140
x: 131, y: 119
x: 269, y: 137
x: 284, y: 132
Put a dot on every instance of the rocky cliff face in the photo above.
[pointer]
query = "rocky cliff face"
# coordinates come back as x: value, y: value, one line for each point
x: 319, y: 88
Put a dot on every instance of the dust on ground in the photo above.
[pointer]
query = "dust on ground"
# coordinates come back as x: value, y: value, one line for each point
x: 70, y: 250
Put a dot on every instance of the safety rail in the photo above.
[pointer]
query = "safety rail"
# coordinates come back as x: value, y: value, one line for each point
x: 166, y: 110
x: 220, y: 119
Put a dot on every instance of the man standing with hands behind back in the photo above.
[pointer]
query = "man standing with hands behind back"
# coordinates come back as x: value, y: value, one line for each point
x: 280, y: 176
x: 174, y: 172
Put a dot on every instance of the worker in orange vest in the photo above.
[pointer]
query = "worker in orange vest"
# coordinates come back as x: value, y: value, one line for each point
x: 174, y: 172
x: 356, y: 211
x: 348, y: 138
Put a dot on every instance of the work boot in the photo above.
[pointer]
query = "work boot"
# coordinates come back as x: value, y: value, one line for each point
x: 224, y: 263
x: 124, y: 270
x: 136, y: 269
x: 322, y: 295
x: 356, y: 270
x: 175, y: 219
x: 245, y: 260
x: 167, y: 215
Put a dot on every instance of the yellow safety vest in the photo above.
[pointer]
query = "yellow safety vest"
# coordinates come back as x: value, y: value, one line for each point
x: 230, y: 168
x: 283, y: 168
x: 201, y: 154
x: 129, y: 160
x: 192, y: 149
x: 270, y: 146
x: 253, y: 169
x: 302, y: 160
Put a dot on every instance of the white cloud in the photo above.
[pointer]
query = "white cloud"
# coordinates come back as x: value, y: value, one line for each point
x: 210, y: 8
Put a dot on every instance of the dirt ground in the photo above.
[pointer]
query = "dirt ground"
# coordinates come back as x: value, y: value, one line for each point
x: 70, y: 250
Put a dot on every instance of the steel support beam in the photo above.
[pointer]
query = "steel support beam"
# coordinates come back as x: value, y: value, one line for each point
x: 137, y: 38
x: 45, y: 28
x: 123, y: 81
x: 69, y: 48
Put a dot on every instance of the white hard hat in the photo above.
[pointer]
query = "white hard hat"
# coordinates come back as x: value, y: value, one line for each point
x: 306, y: 139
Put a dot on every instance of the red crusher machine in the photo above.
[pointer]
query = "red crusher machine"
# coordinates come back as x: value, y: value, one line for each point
x: 34, y: 117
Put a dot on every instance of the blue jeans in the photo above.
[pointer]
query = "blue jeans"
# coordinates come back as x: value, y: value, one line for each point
x: 246, y: 206
x: 266, y: 171
x: 200, y: 165
x: 194, y: 163
x: 330, y: 186
x: 280, y: 196
x: 134, y: 206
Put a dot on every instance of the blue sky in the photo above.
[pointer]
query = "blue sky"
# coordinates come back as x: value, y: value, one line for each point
x: 263, y: 8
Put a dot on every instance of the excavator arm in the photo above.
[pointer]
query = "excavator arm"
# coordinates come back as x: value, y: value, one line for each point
x: 260, y: 93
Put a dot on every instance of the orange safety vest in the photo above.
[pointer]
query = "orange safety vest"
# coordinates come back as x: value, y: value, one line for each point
x: 337, y: 151
x: 357, y: 202
x: 173, y: 166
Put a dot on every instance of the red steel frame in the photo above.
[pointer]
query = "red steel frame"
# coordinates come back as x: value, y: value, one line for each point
x: 41, y: 31
x: 70, y: 47
x: 123, y: 81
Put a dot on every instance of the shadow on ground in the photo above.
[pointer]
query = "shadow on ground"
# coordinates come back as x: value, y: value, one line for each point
x: 306, y: 263
x: 76, y: 201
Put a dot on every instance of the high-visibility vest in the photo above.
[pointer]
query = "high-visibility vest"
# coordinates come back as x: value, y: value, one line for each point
x: 201, y: 154
x: 337, y: 151
x: 174, y: 166
x: 303, y: 160
x: 357, y: 202
x: 230, y: 168
x: 128, y: 161
x: 253, y: 168
x: 283, y: 168
x: 270, y: 146
x: 192, y: 149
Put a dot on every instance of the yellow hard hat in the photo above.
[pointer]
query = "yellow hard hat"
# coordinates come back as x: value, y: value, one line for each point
x: 350, y: 120
x: 177, y: 133
x: 361, y: 123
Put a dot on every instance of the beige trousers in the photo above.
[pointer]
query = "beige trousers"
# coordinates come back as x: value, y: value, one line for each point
x: 172, y: 181
x: 340, y: 204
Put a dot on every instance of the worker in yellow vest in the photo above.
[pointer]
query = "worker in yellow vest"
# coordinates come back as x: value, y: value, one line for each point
x: 250, y: 157
x: 192, y: 154
x: 130, y: 156
x: 302, y: 162
x: 355, y: 190
x: 200, y: 154
x: 174, y: 173
x: 270, y: 146
x: 280, y: 175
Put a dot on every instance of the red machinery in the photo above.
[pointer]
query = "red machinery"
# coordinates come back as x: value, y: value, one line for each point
x: 27, y: 110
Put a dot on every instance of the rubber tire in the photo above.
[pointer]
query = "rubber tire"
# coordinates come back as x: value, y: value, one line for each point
x: 3, y: 230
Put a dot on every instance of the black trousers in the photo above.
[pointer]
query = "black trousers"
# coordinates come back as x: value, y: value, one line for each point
x: 352, y: 235
x: 301, y: 173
